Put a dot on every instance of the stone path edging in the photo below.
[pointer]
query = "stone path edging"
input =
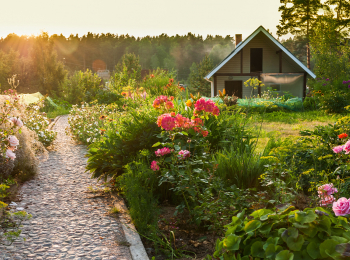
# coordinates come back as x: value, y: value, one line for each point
x: 137, y: 249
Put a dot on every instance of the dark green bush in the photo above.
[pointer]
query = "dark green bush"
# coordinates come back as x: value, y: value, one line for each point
x: 138, y: 184
x: 335, y: 102
x: 122, y: 142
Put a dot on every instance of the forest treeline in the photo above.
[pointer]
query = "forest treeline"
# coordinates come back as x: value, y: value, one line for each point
x: 37, y: 59
x: 23, y: 55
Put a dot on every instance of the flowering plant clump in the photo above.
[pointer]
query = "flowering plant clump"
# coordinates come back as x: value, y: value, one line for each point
x: 325, y: 193
x: 206, y: 107
x: 163, y: 103
x: 163, y: 151
x: 343, y: 135
x: 183, y: 154
x: 341, y: 207
x: 89, y: 122
x: 38, y: 122
x: 155, y: 166
x: 347, y: 82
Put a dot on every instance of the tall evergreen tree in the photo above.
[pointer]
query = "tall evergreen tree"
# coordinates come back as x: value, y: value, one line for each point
x: 298, y: 18
x: 197, y: 74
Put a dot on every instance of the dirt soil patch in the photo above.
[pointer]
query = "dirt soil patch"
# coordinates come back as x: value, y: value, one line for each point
x: 196, y: 243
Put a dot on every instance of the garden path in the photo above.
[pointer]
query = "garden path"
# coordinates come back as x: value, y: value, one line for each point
x: 66, y: 223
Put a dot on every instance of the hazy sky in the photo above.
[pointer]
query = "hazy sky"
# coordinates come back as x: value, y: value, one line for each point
x: 138, y: 17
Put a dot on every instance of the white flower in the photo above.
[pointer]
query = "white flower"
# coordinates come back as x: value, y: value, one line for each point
x: 10, y: 154
x: 13, y: 140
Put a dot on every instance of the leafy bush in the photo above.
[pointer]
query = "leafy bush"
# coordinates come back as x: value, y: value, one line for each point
x: 81, y: 87
x: 122, y: 142
x: 160, y: 82
x: 335, y: 102
x: 289, y: 234
x: 138, y: 184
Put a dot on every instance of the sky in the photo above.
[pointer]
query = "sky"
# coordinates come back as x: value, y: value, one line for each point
x: 138, y: 17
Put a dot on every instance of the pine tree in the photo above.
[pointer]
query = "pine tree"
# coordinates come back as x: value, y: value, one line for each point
x: 298, y: 18
x: 197, y: 74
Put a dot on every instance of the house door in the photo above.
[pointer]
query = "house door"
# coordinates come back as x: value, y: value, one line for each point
x: 234, y: 88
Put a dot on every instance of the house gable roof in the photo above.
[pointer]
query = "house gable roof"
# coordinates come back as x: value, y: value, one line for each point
x: 246, y: 41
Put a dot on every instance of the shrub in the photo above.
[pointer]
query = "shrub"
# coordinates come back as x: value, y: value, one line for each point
x: 289, y: 234
x: 241, y: 168
x: 160, y: 82
x: 335, y: 102
x: 138, y: 184
x: 122, y: 142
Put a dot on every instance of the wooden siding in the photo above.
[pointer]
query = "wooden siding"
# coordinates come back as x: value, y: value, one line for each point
x: 233, y: 65
x: 270, y: 58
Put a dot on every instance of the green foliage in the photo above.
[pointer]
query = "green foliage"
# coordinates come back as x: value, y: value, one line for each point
x: 81, y: 87
x: 122, y: 142
x: 331, y: 52
x: 127, y: 72
x: 313, y: 233
x: 160, y: 82
x: 335, y: 102
x: 138, y: 184
x: 197, y: 73
x: 48, y: 73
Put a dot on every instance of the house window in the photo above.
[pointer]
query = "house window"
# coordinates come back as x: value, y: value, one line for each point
x: 256, y: 59
x: 275, y: 87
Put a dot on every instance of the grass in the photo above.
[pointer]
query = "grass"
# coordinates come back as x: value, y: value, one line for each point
x: 296, y: 117
x: 58, y: 112
x: 285, y: 124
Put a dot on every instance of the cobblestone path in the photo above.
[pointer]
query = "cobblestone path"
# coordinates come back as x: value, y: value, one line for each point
x: 66, y: 223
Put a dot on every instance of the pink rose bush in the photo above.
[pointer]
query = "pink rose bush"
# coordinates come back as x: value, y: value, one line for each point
x: 180, y: 125
x: 326, y: 190
x: 155, y: 166
x: 183, y: 154
x: 163, y: 151
x: 341, y: 207
x: 325, y: 193
x: 340, y: 148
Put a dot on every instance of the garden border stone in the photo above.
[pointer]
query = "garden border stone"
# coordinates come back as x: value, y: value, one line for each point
x: 137, y: 249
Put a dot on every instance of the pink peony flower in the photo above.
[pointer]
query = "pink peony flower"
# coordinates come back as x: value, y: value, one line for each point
x: 341, y: 207
x: 163, y: 151
x: 326, y: 200
x: 200, y: 103
x: 184, y: 154
x: 168, y: 123
x: 13, y: 140
x: 154, y: 166
x: 16, y: 121
x: 338, y: 149
x: 209, y: 106
x: 326, y: 190
x: 10, y: 154
x: 346, y: 147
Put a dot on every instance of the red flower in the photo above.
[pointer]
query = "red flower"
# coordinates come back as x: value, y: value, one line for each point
x: 343, y: 135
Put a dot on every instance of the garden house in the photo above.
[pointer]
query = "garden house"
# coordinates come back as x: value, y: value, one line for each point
x: 263, y: 57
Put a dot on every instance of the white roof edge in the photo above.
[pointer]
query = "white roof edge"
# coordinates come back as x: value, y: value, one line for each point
x: 245, y: 42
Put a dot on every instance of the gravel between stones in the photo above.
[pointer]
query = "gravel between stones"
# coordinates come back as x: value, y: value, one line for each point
x: 66, y: 224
